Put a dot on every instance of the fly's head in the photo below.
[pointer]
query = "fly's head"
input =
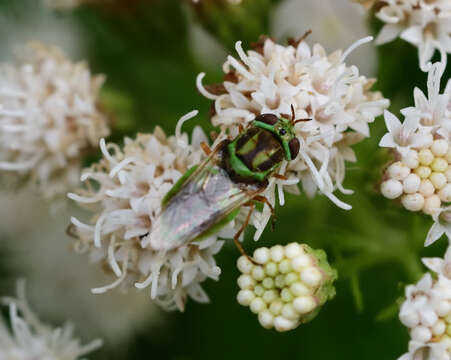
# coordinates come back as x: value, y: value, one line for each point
x: 283, y: 129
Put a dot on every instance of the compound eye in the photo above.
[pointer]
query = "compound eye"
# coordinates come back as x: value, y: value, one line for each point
x: 269, y: 119
x: 294, y: 147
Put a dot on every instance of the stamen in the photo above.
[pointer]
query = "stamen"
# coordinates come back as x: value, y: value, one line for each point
x: 355, y: 45
x: 105, y: 152
x: 202, y: 89
x: 186, y: 117
x: 98, y: 229
x: 117, y: 282
x: 240, y: 68
x: 121, y: 165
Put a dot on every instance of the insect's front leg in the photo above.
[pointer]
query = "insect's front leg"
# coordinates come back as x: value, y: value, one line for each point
x: 280, y: 177
x: 264, y: 200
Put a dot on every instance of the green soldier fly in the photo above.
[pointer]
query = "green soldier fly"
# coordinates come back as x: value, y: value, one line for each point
x: 234, y: 174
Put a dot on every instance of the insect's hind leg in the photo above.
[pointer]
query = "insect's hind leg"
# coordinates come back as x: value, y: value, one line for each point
x: 240, y: 231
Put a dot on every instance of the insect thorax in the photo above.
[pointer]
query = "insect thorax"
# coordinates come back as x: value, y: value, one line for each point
x: 253, y: 156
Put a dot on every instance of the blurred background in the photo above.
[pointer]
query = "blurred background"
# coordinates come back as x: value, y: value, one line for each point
x: 151, y: 52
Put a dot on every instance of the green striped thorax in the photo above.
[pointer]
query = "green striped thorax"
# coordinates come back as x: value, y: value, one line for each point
x: 255, y: 154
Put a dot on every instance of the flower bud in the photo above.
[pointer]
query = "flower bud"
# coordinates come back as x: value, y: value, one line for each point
x: 411, y: 159
x: 411, y: 183
x: 445, y: 193
x: 413, y: 202
x: 398, y: 171
x: 288, y: 288
x: 438, y: 180
x: 439, y: 165
x: 423, y: 172
x: 391, y: 189
x: 439, y: 147
x: 431, y: 205
x: 425, y: 157
x: 426, y: 188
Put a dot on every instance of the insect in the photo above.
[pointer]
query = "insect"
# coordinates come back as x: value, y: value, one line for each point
x: 234, y: 174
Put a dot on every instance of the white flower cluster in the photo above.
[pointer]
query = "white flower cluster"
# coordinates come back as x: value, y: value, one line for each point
x: 333, y: 98
x: 423, y: 23
x: 422, y: 176
x: 426, y: 312
x: 125, y: 191
x: 48, y: 118
x: 288, y: 287
x: 28, y: 338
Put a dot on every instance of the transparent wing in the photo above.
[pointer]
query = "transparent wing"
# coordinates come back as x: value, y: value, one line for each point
x: 207, y: 197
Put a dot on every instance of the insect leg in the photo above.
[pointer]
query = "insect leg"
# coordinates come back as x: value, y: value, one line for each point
x: 280, y: 177
x: 206, y: 149
x: 306, y: 34
x: 213, y: 135
x: 296, y: 43
x: 264, y: 200
x: 238, y: 234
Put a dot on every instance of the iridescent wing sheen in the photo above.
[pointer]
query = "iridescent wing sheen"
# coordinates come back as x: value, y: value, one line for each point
x: 205, y: 200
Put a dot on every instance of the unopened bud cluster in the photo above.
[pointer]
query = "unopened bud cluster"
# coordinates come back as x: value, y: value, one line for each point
x: 288, y: 287
x: 422, y: 178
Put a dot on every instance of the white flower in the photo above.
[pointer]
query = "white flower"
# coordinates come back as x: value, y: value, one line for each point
x: 125, y: 190
x: 439, y: 265
x: 425, y: 24
x: 30, y: 339
x: 321, y: 88
x: 48, y: 118
x: 403, y: 136
x: 442, y: 225
x: 426, y: 312
x: 422, y: 176
x: 288, y: 286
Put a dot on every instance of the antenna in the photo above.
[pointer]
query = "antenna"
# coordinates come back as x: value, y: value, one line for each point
x: 299, y: 120
x: 293, y: 116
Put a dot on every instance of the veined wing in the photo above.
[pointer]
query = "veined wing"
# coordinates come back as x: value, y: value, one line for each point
x: 207, y: 198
